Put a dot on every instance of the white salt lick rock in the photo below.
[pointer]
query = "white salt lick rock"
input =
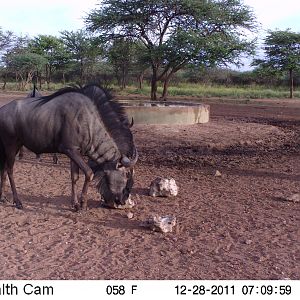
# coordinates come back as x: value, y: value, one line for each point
x: 160, y: 223
x: 163, y: 187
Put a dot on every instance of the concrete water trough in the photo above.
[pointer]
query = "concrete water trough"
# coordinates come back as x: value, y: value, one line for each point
x: 168, y: 113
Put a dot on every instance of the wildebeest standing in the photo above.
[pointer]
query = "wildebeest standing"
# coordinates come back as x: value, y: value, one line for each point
x: 75, y: 122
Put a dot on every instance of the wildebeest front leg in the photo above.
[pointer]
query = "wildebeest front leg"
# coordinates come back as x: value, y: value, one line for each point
x: 74, y: 179
x: 78, y: 159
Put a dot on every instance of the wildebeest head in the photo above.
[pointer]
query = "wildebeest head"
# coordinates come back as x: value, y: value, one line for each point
x: 115, y: 179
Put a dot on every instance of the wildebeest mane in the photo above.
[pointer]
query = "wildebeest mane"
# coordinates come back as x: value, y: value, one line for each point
x: 111, y: 112
x: 45, y: 99
x: 113, y: 116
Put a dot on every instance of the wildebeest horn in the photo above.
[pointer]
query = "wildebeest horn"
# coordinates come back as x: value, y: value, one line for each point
x: 131, y: 124
x: 127, y: 124
x: 129, y: 163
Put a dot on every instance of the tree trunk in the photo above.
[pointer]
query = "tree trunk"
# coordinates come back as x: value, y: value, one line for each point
x: 40, y: 81
x: 5, y: 81
x: 154, y: 84
x: 124, y: 75
x: 140, y: 79
x: 64, y: 78
x: 48, y: 76
x: 291, y: 83
x: 81, y: 71
x: 166, y: 85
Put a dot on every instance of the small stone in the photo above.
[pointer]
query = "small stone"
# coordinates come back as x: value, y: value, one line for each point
x: 130, y: 215
x: 163, y: 187
x: 218, y: 173
x: 248, y: 242
x: 293, y: 198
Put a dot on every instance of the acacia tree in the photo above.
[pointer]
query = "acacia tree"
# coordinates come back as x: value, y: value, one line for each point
x: 282, y: 54
x: 54, y: 51
x: 6, y: 39
x: 25, y: 65
x: 120, y: 56
x: 83, y: 49
x: 176, y: 32
x: 125, y: 57
x: 18, y: 60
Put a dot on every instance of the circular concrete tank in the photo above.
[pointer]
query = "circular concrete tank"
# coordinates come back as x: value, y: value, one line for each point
x: 175, y: 113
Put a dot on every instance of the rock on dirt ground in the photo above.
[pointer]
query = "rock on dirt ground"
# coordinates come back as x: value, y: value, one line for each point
x: 230, y: 227
x: 163, y: 187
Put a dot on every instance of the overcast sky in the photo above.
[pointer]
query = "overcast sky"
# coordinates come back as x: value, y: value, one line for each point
x: 35, y: 17
x: 52, y: 16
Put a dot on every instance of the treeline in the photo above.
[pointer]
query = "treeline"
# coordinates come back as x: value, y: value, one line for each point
x: 134, y: 41
x: 77, y: 57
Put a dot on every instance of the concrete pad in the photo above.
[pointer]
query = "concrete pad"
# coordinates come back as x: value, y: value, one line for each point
x: 167, y: 113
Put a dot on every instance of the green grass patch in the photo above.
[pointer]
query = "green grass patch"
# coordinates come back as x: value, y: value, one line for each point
x: 210, y: 91
x: 190, y: 90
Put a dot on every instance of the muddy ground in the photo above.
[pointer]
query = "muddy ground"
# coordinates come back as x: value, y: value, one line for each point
x: 236, y: 226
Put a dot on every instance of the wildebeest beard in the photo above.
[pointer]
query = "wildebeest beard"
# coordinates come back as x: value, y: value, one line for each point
x: 113, y: 183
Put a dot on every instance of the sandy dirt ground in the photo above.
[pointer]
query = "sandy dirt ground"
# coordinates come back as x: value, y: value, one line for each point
x: 235, y: 226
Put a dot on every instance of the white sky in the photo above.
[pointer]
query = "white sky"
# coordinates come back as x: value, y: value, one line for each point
x: 35, y: 17
x: 277, y: 14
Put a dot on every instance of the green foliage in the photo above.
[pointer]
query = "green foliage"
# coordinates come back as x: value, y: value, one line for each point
x: 175, y: 32
x: 26, y: 62
x: 25, y: 65
x: 6, y: 39
x: 83, y: 49
x: 282, y: 51
x: 52, y: 48
x: 127, y: 58
x: 197, y: 92
x: 282, y: 54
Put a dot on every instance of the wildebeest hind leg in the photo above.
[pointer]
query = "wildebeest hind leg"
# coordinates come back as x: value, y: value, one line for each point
x: 10, y: 165
x: 74, y: 179
x: 3, y: 184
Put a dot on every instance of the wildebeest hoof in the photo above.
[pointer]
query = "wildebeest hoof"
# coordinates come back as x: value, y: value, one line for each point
x: 84, y: 207
x: 19, y: 205
x: 3, y: 199
x: 76, y: 207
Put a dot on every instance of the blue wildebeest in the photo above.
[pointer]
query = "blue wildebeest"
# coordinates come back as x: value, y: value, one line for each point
x: 75, y: 122
x: 35, y: 94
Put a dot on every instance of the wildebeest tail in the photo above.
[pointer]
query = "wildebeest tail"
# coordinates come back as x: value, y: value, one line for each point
x: 2, y: 154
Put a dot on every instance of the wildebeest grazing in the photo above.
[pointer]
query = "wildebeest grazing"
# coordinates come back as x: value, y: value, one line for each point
x: 75, y: 122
